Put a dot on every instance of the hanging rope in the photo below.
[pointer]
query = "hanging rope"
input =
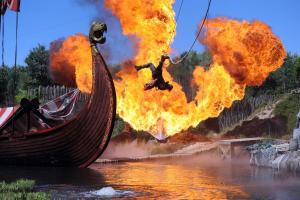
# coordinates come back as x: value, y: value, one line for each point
x: 196, y: 38
x: 179, y: 11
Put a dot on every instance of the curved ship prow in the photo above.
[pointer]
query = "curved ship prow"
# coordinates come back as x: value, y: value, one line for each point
x: 79, y: 141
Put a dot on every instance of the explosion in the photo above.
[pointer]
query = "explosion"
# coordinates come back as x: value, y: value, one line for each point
x: 248, y: 51
x: 69, y: 57
x: 244, y: 53
x: 240, y: 50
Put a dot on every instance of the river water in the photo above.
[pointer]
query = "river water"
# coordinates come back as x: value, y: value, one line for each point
x: 199, y: 177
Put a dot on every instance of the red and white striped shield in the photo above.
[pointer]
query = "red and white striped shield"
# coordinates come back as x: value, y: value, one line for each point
x: 13, y: 5
x: 6, y: 113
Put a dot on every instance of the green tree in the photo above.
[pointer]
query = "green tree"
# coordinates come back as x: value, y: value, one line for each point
x: 3, y: 84
x: 183, y: 72
x: 21, y: 81
x: 297, y: 67
x: 281, y: 81
x: 37, y: 62
x: 16, y: 81
x: 288, y: 108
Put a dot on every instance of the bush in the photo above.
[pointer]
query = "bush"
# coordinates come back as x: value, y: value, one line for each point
x: 118, y: 127
x: 289, y: 108
x: 20, y: 190
x: 24, y: 196
x: 18, y: 186
x: 21, y: 94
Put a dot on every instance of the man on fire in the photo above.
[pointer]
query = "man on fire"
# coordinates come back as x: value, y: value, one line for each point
x: 157, y: 77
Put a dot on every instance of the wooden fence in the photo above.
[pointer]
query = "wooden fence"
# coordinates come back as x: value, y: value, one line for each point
x: 46, y: 94
x: 241, y: 110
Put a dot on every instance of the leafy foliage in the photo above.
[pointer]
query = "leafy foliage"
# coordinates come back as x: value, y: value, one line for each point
x: 3, y: 83
x: 18, y: 186
x: 281, y: 81
x: 183, y: 72
x: 21, y: 189
x: 15, y: 81
x: 37, y: 63
x: 118, y: 127
x: 289, y: 108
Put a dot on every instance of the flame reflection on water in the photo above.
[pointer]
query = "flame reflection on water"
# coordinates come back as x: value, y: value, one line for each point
x: 169, y: 181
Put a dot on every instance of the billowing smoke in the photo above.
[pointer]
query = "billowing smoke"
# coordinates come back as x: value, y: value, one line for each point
x: 72, y: 55
x: 113, y: 50
x: 249, y: 51
x: 128, y: 149
x: 61, y: 70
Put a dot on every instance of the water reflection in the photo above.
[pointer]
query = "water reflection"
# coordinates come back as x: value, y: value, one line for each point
x: 201, y: 177
x: 53, y: 176
x: 168, y: 181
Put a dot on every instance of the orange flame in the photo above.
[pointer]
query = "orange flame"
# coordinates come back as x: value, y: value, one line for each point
x: 244, y: 53
x: 75, y: 53
x: 151, y: 21
x: 169, y: 112
x: 248, y: 51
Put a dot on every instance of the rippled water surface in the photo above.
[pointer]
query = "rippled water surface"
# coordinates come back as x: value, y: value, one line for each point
x: 181, y: 178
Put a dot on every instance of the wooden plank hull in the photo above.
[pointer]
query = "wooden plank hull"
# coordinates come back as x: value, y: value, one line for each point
x: 78, y: 142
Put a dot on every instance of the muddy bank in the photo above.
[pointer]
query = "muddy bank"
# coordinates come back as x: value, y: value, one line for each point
x: 275, y: 127
x: 131, y: 144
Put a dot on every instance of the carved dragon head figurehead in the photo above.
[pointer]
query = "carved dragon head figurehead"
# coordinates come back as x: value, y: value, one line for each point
x: 97, y: 31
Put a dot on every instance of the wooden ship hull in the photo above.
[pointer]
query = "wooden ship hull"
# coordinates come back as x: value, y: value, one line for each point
x: 76, y: 143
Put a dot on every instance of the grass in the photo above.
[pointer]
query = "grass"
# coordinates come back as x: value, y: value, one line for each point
x: 289, y: 108
x: 20, y: 190
x: 118, y: 127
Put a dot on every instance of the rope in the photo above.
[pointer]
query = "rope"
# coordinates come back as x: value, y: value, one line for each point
x: 179, y: 11
x: 196, y: 38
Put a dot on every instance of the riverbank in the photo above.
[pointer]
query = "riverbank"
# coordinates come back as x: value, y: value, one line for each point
x: 267, y: 152
x: 202, y: 176
x: 185, y: 151
x: 279, y: 156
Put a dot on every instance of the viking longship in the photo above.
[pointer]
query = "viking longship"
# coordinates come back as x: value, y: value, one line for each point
x: 74, y: 142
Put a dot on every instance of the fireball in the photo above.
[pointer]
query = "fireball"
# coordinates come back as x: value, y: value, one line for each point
x: 244, y: 54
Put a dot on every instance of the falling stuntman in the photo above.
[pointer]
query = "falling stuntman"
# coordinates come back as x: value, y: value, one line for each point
x: 157, y: 77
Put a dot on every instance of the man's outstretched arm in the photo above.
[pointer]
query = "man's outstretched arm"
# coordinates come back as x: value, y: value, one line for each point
x: 139, y: 67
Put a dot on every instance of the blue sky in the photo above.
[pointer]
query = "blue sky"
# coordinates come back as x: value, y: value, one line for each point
x: 42, y: 22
